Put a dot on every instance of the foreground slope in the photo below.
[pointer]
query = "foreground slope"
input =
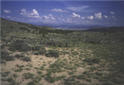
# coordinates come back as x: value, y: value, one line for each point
x: 33, y: 55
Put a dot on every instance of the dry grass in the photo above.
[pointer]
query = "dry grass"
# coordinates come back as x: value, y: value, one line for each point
x: 70, y: 68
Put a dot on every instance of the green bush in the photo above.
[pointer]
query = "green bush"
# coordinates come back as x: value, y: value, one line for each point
x: 27, y: 59
x: 31, y: 83
x: 35, y: 48
x: 40, y: 50
x: 19, y: 45
x: 5, y: 56
x: 28, y: 75
x: 71, y: 81
x: 52, y: 53
x: 19, y: 56
x: 92, y: 60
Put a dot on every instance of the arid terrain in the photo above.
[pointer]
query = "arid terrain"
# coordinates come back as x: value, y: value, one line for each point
x: 40, y: 55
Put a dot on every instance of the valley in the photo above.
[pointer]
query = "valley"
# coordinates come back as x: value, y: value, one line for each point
x: 41, y: 55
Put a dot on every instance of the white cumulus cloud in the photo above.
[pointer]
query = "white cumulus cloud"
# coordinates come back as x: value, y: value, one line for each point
x: 90, y: 17
x: 49, y: 17
x: 6, y: 11
x: 34, y: 13
x: 75, y: 15
x: 98, y: 15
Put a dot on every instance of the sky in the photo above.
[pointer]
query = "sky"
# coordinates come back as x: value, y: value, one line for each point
x: 103, y: 13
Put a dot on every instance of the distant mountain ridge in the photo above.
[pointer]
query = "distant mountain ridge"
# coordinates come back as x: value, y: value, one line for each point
x: 62, y: 27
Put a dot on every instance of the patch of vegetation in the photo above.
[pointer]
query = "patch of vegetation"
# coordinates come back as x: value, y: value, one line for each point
x: 6, y: 56
x: 11, y: 81
x: 51, y: 79
x: 27, y: 59
x: 92, y: 60
x: 31, y: 83
x: 71, y: 81
x: 28, y: 75
x: 5, y: 74
x: 19, y: 56
x: 19, y: 45
x: 22, y: 57
x: 52, y: 53
x: 19, y: 68
x: 38, y: 50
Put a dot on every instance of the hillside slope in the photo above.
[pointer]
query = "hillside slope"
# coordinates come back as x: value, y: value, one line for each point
x: 34, y: 55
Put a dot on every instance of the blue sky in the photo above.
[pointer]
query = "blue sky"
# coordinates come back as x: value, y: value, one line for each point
x: 105, y: 13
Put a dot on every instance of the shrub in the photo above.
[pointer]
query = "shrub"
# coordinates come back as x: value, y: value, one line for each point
x: 51, y: 79
x: 19, y: 45
x: 5, y: 56
x: 27, y: 59
x: 31, y: 83
x: 28, y: 75
x: 40, y: 50
x: 19, y: 56
x: 35, y: 48
x: 19, y: 68
x: 52, y: 53
x: 22, y: 57
x: 71, y: 81
x: 5, y: 74
x: 92, y: 60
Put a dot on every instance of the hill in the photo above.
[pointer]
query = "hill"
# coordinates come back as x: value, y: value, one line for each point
x: 41, y: 55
